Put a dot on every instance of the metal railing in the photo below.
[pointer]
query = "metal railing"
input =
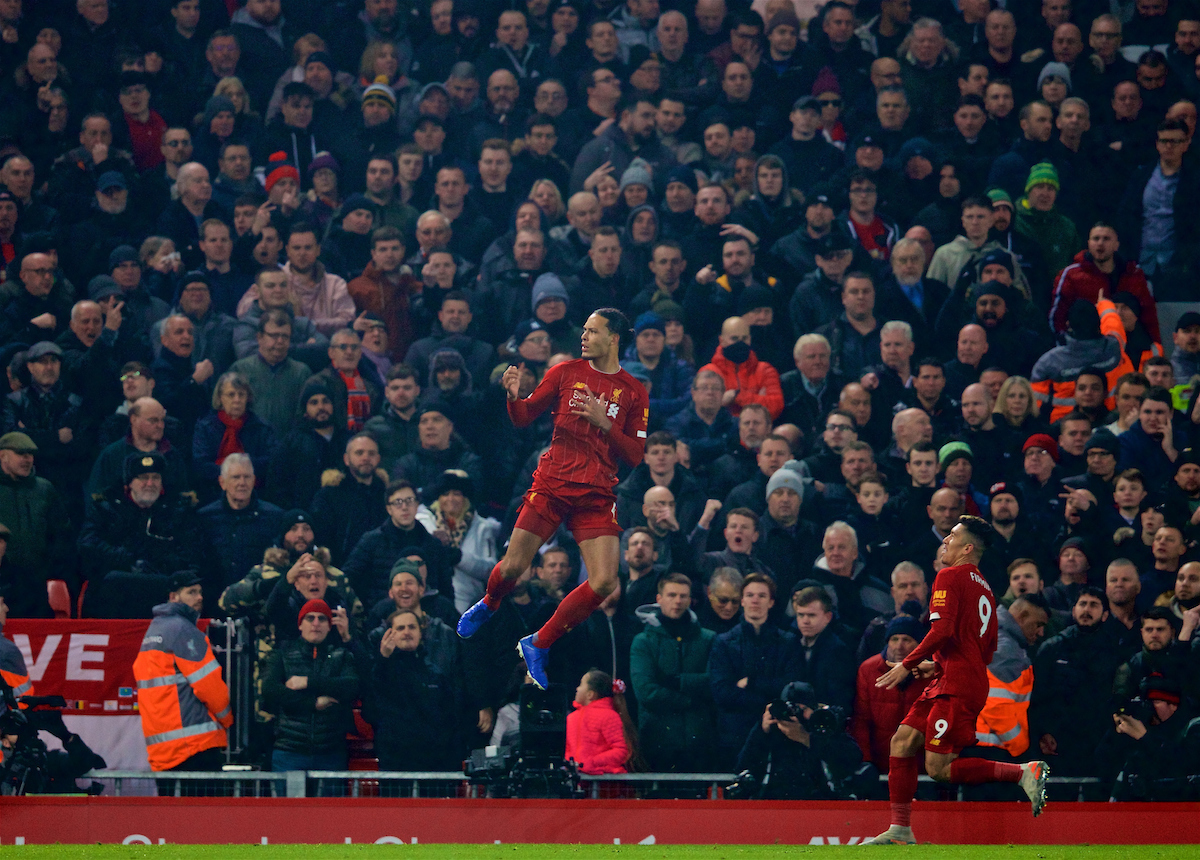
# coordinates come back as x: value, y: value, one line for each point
x: 446, y: 784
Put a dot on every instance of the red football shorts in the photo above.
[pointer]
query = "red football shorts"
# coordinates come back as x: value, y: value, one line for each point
x: 947, y: 723
x: 588, y: 511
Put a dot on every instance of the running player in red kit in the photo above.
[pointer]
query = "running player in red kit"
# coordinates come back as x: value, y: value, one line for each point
x: 955, y: 653
x: 600, y: 413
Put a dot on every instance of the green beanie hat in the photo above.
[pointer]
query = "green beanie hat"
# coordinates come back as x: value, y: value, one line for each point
x: 952, y: 451
x: 1042, y: 173
x: 999, y: 195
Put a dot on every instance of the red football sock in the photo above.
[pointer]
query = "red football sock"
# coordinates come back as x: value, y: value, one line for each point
x: 574, y: 610
x: 498, y: 588
x: 902, y: 787
x: 974, y: 771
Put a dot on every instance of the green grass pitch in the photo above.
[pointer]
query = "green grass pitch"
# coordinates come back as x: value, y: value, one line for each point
x: 579, y: 852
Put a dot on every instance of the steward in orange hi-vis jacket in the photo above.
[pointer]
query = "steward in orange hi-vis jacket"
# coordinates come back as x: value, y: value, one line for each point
x: 182, y: 698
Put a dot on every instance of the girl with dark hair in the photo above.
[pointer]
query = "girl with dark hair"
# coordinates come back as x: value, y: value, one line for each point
x: 601, y: 736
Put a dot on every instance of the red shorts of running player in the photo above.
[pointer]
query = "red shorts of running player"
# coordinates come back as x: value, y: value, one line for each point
x: 588, y: 511
x: 946, y: 721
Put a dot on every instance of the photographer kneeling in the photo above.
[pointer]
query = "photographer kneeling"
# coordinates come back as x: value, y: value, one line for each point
x: 1148, y: 749
x: 801, y: 752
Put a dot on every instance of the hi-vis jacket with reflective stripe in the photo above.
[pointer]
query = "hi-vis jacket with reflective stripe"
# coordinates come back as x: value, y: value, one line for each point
x: 183, y: 701
x: 1053, y: 377
x: 12, y: 670
x: 1004, y: 720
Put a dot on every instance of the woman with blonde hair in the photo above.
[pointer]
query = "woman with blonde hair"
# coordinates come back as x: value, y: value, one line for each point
x: 549, y: 199
x: 380, y: 58
x: 247, y: 123
x: 1017, y: 409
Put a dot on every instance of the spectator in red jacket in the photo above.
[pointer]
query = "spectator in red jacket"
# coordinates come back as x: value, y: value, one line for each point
x: 878, y: 712
x: 600, y: 735
x: 1100, y: 267
x: 747, y: 380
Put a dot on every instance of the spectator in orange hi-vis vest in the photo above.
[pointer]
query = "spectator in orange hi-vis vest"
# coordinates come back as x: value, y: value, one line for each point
x: 182, y: 698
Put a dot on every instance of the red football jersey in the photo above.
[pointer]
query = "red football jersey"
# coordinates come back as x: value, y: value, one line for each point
x: 580, y: 452
x: 963, y: 633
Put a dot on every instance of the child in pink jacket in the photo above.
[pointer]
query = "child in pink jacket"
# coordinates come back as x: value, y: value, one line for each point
x: 601, y: 738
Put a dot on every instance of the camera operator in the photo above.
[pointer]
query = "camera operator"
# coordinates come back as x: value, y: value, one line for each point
x: 802, y: 752
x: 27, y: 766
x: 1144, y: 756
x: 12, y: 663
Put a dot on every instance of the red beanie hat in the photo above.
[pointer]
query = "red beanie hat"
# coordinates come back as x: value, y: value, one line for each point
x: 278, y: 167
x: 1043, y: 441
x: 318, y: 606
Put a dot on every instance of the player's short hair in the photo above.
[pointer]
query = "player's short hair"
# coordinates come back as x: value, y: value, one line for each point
x: 813, y: 594
x: 763, y: 579
x: 676, y: 578
x: 981, y: 532
x: 617, y: 323
x: 402, y: 371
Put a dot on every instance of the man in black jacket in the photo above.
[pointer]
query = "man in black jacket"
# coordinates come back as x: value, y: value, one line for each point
x: 311, y: 448
x: 310, y: 684
x: 351, y: 501
x: 134, y: 539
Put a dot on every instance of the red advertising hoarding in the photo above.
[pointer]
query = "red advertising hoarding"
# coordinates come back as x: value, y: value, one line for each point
x: 369, y: 820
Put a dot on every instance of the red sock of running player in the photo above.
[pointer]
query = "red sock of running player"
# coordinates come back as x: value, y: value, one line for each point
x: 498, y: 588
x: 974, y: 771
x: 902, y: 787
x: 573, y: 611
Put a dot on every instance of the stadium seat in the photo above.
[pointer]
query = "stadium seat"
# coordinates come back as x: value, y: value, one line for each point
x: 59, y: 597
x: 79, y: 604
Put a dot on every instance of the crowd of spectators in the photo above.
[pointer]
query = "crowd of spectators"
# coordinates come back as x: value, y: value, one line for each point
x: 890, y: 263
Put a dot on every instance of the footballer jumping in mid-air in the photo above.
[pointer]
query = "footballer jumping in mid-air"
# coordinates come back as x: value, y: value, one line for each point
x: 955, y: 653
x: 600, y: 413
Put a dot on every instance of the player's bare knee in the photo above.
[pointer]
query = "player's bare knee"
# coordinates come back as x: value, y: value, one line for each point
x: 604, y: 583
x: 937, y: 768
x: 905, y: 742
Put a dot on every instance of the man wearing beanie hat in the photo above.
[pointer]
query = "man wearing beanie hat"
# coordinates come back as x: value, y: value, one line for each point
x: 1039, y: 220
x: 879, y: 710
x: 134, y: 537
x: 1145, y: 745
x: 1015, y: 537
x: 968, y: 255
x: 1097, y: 268
x: 273, y: 615
x: 310, y: 684
x: 550, y: 304
x: 1096, y: 339
x: 786, y: 544
x: 670, y: 377
x: 314, y: 444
